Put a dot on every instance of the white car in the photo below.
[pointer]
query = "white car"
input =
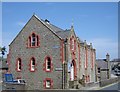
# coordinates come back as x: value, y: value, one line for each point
x: 20, y: 81
x: 117, y: 72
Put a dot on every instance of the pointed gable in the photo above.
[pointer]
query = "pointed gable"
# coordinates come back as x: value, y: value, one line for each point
x: 60, y: 33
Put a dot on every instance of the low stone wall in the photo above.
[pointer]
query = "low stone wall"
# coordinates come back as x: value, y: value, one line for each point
x: 13, y: 86
x: 92, y: 84
x: 109, y: 81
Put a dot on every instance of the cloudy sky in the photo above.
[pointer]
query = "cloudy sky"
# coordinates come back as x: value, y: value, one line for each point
x: 97, y: 23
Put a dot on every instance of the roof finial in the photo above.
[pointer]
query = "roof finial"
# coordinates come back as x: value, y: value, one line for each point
x: 33, y: 13
x: 72, y: 23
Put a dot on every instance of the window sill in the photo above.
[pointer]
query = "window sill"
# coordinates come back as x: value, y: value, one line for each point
x: 34, y: 47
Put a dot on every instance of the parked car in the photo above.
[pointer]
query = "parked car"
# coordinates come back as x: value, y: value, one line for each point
x: 21, y: 81
x: 117, y: 72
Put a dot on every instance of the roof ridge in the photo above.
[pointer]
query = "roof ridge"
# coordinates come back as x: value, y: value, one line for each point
x: 56, y: 26
x: 53, y: 25
x: 42, y: 21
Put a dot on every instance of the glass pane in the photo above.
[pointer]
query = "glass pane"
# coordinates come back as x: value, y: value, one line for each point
x: 33, y: 62
x: 48, y: 84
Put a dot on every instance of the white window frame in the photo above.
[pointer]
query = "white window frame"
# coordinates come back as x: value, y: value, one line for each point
x: 48, y: 84
x: 18, y: 64
x: 48, y: 69
x: 33, y: 38
x: 32, y: 66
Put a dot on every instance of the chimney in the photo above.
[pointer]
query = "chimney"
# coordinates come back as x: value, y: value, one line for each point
x: 47, y: 21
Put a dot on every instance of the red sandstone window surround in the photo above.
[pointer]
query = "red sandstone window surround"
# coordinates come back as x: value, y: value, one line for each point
x: 87, y: 78
x: 48, y: 65
x: 18, y: 65
x: 48, y: 83
x: 93, y: 56
x: 32, y: 64
x: 79, y: 55
x: 33, y: 40
x: 72, y: 43
x: 91, y: 59
x: 86, y: 58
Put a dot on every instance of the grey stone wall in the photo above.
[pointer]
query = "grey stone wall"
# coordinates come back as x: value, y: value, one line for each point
x: 48, y: 41
x: 81, y: 69
x: 48, y: 44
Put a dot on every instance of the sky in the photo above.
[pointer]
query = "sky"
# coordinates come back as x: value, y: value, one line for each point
x: 95, y: 22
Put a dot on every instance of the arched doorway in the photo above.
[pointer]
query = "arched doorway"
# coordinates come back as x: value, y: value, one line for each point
x: 73, y: 70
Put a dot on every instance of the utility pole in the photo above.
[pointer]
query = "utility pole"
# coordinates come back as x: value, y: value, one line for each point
x: 108, y: 65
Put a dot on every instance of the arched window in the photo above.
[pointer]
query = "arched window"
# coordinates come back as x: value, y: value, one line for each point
x: 29, y: 42
x: 33, y: 40
x: 19, y: 64
x: 72, y: 43
x: 32, y: 64
x: 48, y: 66
x: 92, y: 59
x: 86, y: 57
x: 37, y: 40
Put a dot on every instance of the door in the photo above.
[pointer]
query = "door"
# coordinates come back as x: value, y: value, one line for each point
x: 72, y: 72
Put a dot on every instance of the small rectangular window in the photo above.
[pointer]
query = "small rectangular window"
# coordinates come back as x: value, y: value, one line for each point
x: 48, y: 83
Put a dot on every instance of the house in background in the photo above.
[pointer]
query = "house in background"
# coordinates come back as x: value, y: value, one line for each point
x: 103, y: 68
x: 48, y: 57
x: 3, y: 68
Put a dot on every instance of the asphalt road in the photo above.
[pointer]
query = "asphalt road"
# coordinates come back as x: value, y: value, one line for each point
x: 114, y: 86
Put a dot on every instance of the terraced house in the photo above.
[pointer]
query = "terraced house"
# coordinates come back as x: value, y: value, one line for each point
x: 48, y: 57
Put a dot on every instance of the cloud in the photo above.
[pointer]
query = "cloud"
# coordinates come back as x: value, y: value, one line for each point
x: 105, y: 45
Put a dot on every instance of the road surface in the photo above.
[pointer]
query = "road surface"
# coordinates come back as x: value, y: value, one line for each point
x: 114, y: 86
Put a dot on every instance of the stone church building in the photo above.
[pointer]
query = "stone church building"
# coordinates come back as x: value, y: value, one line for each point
x: 48, y: 57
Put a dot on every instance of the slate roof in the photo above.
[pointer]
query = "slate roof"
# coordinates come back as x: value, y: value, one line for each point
x: 101, y: 63
x: 63, y: 34
x: 55, y: 28
x: 60, y: 32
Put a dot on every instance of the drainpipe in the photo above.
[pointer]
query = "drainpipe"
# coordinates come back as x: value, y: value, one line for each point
x: 64, y: 66
x: 65, y: 63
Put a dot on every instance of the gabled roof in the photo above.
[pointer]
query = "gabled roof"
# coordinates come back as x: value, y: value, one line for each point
x: 54, y: 29
x: 46, y: 24
x: 63, y: 34
x: 60, y: 32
